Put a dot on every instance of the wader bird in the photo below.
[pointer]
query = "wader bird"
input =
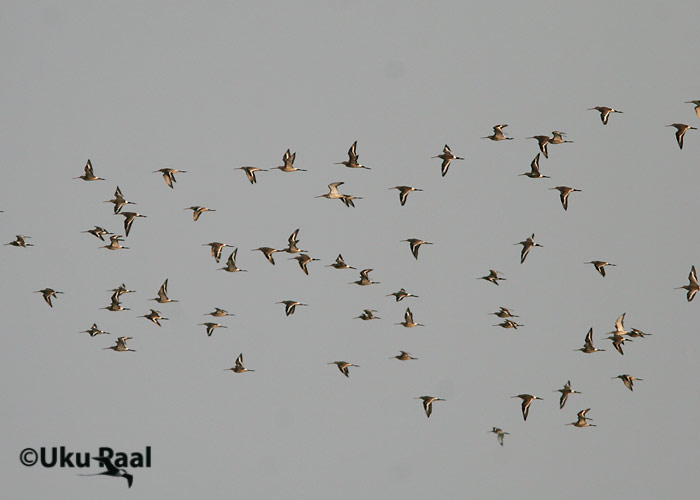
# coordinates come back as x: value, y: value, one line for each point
x: 19, y: 241
x: 697, y: 106
x: 119, y: 201
x: 527, y: 401
x: 89, y: 174
x: 267, y: 252
x: 692, y: 285
x: 505, y: 313
x: 367, y: 314
x: 403, y: 356
x: 169, y: 175
x: 98, y: 232
x: 500, y: 434
x: 565, y: 393
x: 343, y: 367
x: 447, y: 158
x: 600, y: 266
x: 628, y: 380
x: 542, y: 141
x: 47, y: 293
x: 197, y: 211
x: 604, y: 113
x: 114, y: 243
x: 129, y: 220
x: 408, y: 320
x: 111, y: 469
x: 163, y: 294
x: 292, y: 243
x: 154, y: 316
x: 216, y: 248
x: 527, y: 245
x: 93, y: 331
x: 509, y: 323
x: 231, y: 263
x: 403, y: 192
x: 303, y: 260
x: 288, y: 160
x: 498, y: 134
x: 492, y: 277
x: 210, y: 327
x: 558, y: 137
x: 564, y: 192
x: 415, y: 244
x: 582, y: 420
x: 290, y: 306
x: 681, y: 129
x: 352, y: 158
x: 428, y: 403
x: 250, y: 173
x: 401, y: 294
x: 340, y: 263
x: 588, y: 345
x: 239, y: 368
x: 364, y: 278
x: 534, y: 172
x: 120, y: 345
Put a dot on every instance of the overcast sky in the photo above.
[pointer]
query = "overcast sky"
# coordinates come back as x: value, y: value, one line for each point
x: 208, y: 88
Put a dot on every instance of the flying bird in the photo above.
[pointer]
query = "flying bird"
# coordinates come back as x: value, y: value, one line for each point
x: 303, y: 260
x: 364, y: 278
x: 163, y: 294
x: 343, y: 366
x: 401, y: 294
x: 600, y: 266
x: 288, y: 160
x: 154, y: 316
x: 415, y: 244
x: 94, y: 331
x: 509, y: 323
x: 211, y: 326
x: 604, y: 113
x: 428, y: 403
x: 231, y: 263
x: 542, y: 141
x: 290, y: 306
x: 19, y: 241
x: 119, y: 201
x: 197, y: 211
x: 565, y: 393
x: 500, y: 434
x: 534, y: 172
x: 628, y: 380
x: 564, y: 192
x: 588, y: 344
x: 250, y: 173
x: 403, y: 192
x: 267, y: 252
x: 492, y: 277
x: 239, y: 368
x: 498, y: 134
x: 504, y: 313
x: 582, y: 420
x: 367, y: 314
x: 403, y: 356
x: 120, y: 345
x: 129, y: 220
x: 340, y: 263
x: 692, y: 287
x: 98, y: 232
x: 527, y: 245
x: 89, y: 175
x: 47, y: 293
x: 408, y: 320
x: 558, y: 137
x: 114, y: 243
x: 447, y: 158
x: 527, y: 401
x: 681, y: 129
x: 697, y: 106
x: 216, y: 248
x: 169, y: 175
x: 352, y: 158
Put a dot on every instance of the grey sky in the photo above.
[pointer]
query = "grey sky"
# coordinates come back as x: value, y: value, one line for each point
x: 208, y: 88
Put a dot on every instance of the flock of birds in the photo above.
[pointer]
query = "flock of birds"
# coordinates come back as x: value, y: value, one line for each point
x: 618, y: 336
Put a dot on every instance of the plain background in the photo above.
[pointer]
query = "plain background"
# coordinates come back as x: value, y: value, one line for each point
x: 137, y: 87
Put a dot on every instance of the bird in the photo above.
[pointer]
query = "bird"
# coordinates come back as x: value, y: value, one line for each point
x: 89, y: 174
x: 500, y: 434
x: 618, y: 341
x: 112, y: 470
x: 163, y: 294
x: 239, y: 368
x: 498, y: 134
x: 367, y: 314
x: 352, y: 158
x: 218, y: 313
x: 542, y: 141
x: 403, y: 192
x: 492, y: 277
x: 428, y: 403
x: 588, y: 344
x: 119, y: 201
x: 620, y: 325
x: 415, y: 244
x: 509, y: 323
x: 401, y: 294
x: 697, y: 106
x: 19, y: 241
x: 115, y: 305
x: 98, y: 232
x: 333, y: 193
x: 231, y: 263
x: 634, y: 332
x: 120, y: 290
x: 692, y: 287
x: 93, y: 331
x: 408, y: 320
x: 114, y: 243
x: 600, y: 266
x: 403, y: 356
x: 534, y: 172
x: 604, y: 112
x: 582, y: 420
x: 129, y: 220
x: 210, y: 327
x: 527, y: 401
x: 154, y: 316
x: 169, y: 175
x: 267, y: 252
x: 303, y: 260
x: 216, y: 248
x: 250, y: 173
x: 47, y: 293
x: 564, y: 192
x: 120, y: 345
x: 290, y: 306
x: 616, y: 336
x: 681, y: 129
x: 340, y: 263
x: 197, y: 211
x: 343, y: 366
x: 347, y: 199
x: 527, y: 245
x: 628, y: 380
x: 288, y: 160
x: 565, y: 393
x: 364, y: 278
x: 447, y: 158
x: 292, y: 243
x: 558, y: 137
x: 504, y: 313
